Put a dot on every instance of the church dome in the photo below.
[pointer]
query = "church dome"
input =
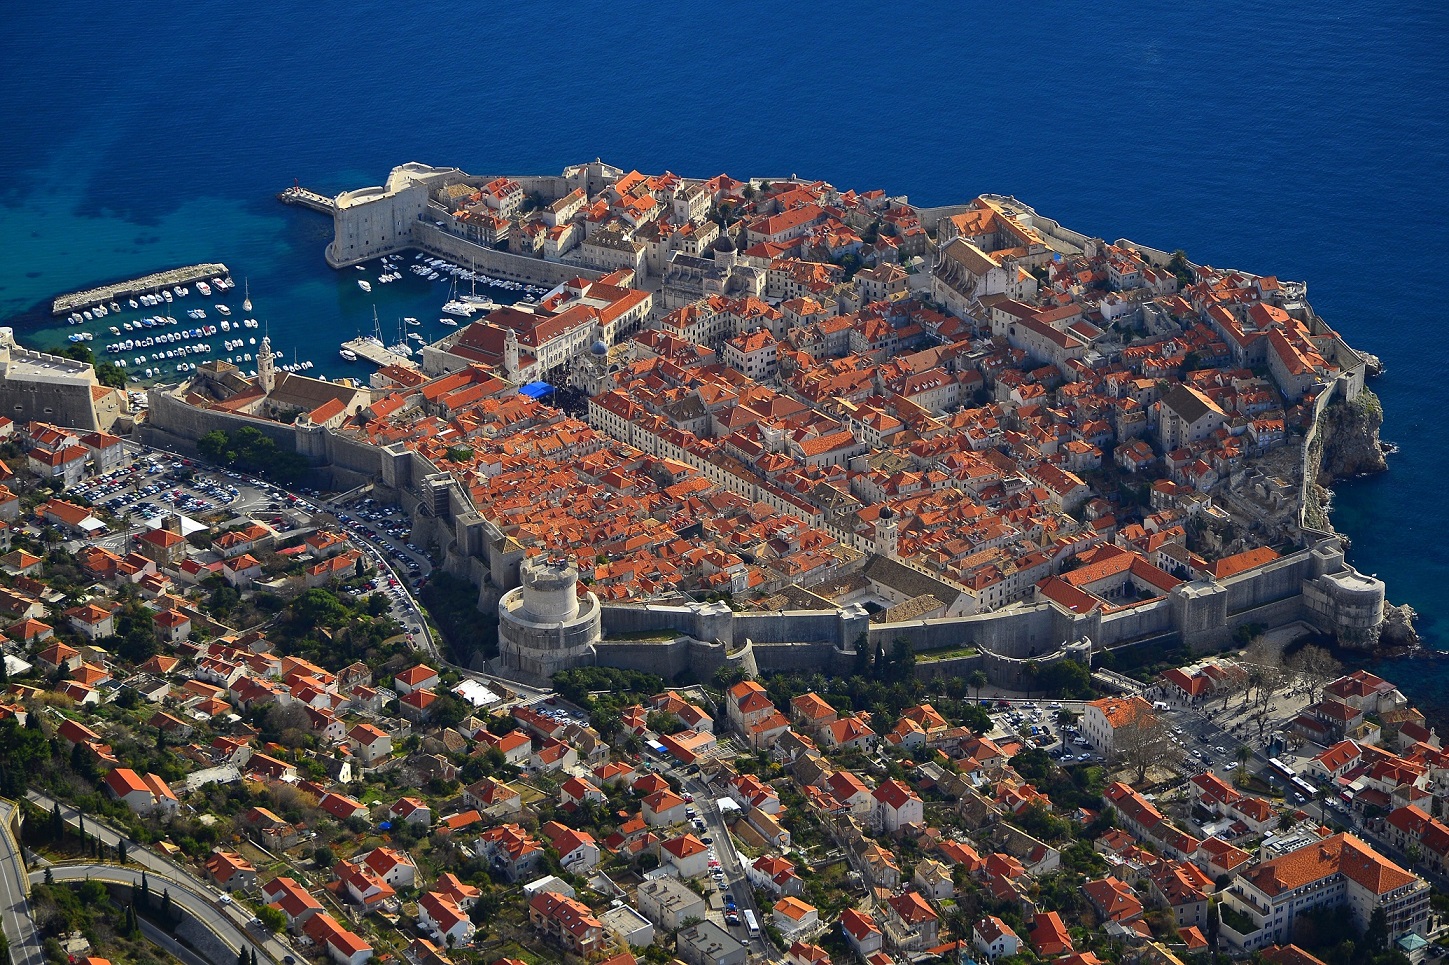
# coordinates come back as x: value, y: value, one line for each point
x: 724, y: 242
x: 599, y: 348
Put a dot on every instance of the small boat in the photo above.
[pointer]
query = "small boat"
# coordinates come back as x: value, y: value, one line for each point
x: 179, y: 290
x: 223, y: 309
x: 360, y: 267
x: 414, y: 336
x: 348, y: 355
x: 166, y: 295
x: 134, y: 304
x: 204, y: 288
x: 364, y: 284
x: 450, y: 322
x: 115, y: 306
x: 87, y: 316
x: 115, y: 330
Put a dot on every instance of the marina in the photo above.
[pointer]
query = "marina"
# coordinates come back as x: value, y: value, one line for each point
x: 159, y: 281
x: 370, y: 349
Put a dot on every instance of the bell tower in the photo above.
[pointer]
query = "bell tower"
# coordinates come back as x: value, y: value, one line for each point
x: 266, y: 371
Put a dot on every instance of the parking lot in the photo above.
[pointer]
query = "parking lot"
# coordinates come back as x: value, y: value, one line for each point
x: 387, y: 529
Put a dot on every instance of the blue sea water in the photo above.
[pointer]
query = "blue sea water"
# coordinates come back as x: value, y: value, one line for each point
x: 1307, y: 140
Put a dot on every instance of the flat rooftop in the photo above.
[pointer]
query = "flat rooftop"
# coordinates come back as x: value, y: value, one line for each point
x: 48, y: 370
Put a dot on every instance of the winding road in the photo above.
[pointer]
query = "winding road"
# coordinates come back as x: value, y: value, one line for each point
x: 225, y: 919
x: 15, y: 912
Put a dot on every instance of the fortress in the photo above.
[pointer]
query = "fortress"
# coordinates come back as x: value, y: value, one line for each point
x: 545, y: 625
x: 37, y: 386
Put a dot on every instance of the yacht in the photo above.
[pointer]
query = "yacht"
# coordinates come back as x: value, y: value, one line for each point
x: 115, y: 330
x: 166, y: 295
x: 450, y: 322
x: 115, y: 306
x: 223, y: 309
x: 414, y: 336
x: 364, y: 284
x: 134, y: 303
x: 87, y: 316
x: 204, y: 288
x: 348, y: 355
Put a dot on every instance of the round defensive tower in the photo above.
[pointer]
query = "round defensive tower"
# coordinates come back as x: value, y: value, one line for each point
x: 544, y: 626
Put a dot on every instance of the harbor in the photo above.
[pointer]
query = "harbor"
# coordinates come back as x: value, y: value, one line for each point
x: 161, y: 280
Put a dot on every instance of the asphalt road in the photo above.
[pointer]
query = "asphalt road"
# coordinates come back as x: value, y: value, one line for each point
x: 735, y: 883
x: 15, y: 912
x: 164, y: 869
x: 198, y: 902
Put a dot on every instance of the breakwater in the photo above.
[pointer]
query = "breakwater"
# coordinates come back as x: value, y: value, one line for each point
x: 137, y: 286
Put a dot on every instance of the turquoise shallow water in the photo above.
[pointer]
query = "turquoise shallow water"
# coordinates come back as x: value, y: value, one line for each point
x: 1309, y: 141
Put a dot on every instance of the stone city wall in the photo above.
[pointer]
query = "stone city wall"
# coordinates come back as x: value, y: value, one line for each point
x: 174, y: 424
x: 489, y: 261
x: 1274, y: 581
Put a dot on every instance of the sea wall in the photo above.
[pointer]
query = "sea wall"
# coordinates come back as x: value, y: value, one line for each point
x: 499, y: 264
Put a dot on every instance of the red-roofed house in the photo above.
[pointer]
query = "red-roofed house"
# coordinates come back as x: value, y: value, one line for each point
x: 994, y: 938
x: 343, y: 947
x: 862, y: 934
x: 292, y: 900
x: 896, y: 806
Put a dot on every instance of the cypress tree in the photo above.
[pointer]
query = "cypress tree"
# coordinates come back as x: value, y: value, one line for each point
x: 254, y: 955
x: 145, y: 891
x: 57, y: 823
x: 166, y: 905
x: 241, y: 956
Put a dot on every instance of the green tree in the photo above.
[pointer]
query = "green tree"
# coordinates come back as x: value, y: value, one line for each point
x: 272, y: 919
x: 977, y: 680
x: 1376, y: 935
x: 23, y: 753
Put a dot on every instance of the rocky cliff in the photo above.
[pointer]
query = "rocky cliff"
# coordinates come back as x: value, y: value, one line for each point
x: 1350, y: 433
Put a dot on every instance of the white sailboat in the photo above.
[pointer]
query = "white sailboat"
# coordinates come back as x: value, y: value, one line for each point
x: 473, y: 299
x: 247, y: 302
